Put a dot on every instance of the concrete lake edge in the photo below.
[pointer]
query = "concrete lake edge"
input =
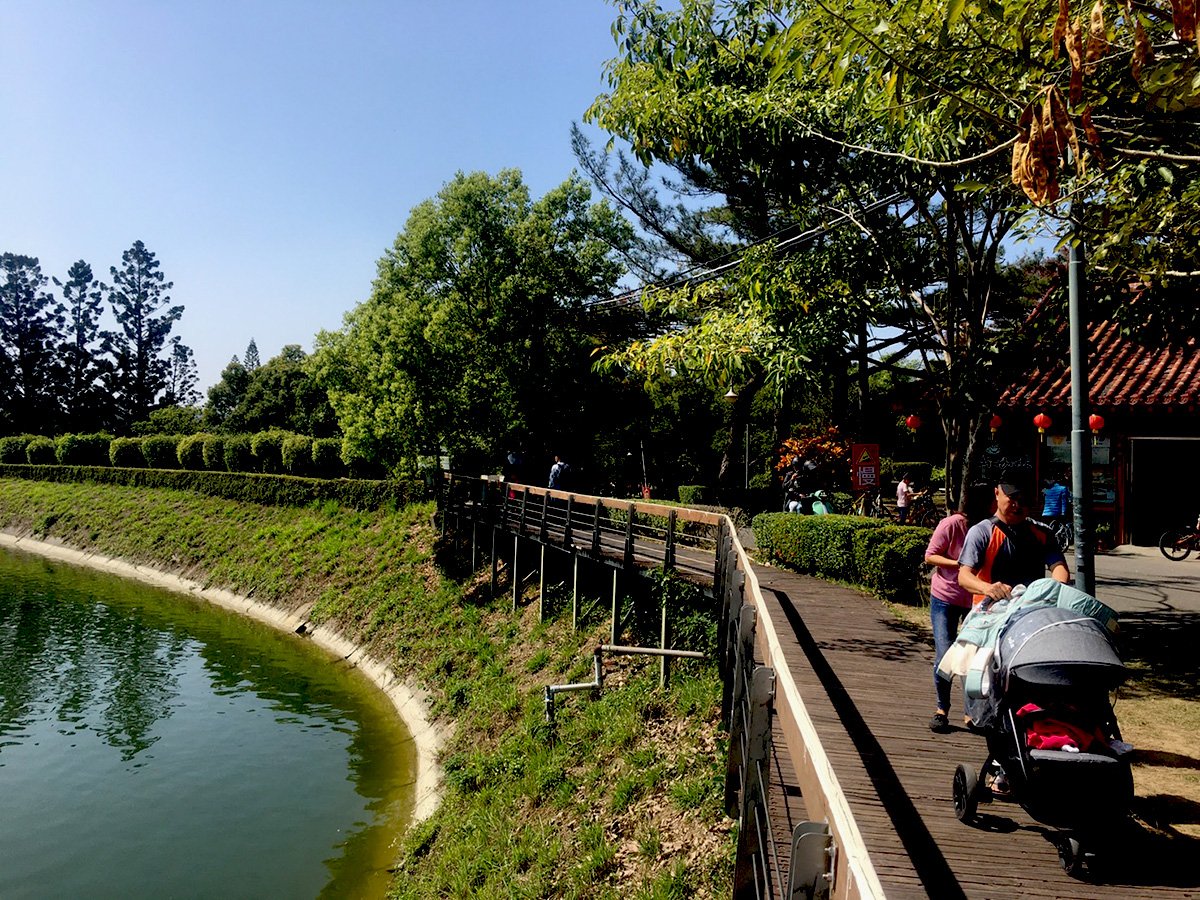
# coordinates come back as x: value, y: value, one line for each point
x: 409, y: 700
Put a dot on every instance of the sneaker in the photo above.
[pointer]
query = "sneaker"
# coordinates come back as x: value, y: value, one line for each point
x: 939, y: 723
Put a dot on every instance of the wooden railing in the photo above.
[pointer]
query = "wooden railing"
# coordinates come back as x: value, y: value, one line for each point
x: 826, y: 854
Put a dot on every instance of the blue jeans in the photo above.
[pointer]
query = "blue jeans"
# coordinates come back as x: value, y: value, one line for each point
x: 945, y: 618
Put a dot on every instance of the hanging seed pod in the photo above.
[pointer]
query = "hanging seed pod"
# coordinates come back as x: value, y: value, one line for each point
x: 1097, y: 41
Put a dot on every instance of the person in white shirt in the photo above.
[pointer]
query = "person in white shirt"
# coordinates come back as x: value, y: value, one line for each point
x: 904, y: 492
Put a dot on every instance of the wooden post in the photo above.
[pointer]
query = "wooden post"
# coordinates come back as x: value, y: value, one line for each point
x: 575, y: 595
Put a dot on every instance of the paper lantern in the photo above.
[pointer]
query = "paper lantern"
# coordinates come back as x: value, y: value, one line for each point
x: 995, y: 424
x: 1096, y: 423
x: 913, y: 422
x: 1042, y: 421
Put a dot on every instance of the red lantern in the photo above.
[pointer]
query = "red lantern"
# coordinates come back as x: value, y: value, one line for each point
x: 1042, y: 421
x: 1096, y: 423
x: 913, y: 422
x: 995, y: 424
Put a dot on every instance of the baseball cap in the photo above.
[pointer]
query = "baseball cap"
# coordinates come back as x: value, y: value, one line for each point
x: 1012, y: 491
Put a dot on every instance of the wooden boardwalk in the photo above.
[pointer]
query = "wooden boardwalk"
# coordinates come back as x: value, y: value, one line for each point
x: 867, y: 683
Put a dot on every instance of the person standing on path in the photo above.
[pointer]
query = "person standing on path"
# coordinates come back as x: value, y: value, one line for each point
x: 904, y: 493
x: 558, y: 474
x: 949, y: 602
x: 1006, y: 550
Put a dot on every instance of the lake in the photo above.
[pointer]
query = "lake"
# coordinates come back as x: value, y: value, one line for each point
x: 153, y: 745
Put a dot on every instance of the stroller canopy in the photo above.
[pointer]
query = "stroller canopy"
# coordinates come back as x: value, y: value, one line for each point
x: 1060, y: 647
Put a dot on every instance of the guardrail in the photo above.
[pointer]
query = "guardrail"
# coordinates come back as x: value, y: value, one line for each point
x: 826, y: 856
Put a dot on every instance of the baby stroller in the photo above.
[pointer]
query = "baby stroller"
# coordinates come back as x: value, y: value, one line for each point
x: 1051, y: 731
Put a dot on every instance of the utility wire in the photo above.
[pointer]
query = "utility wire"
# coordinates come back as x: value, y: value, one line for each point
x: 706, y: 271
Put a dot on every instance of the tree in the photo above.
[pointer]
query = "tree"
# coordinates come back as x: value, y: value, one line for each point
x: 225, y: 396
x: 251, y: 362
x: 139, y: 302
x: 181, y: 376
x: 283, y: 394
x: 31, y: 323
x: 85, y: 404
x: 742, y: 102
x: 474, y: 336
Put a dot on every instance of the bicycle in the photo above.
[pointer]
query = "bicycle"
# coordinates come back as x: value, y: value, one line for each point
x: 868, y: 503
x: 1178, y: 543
x: 1063, y: 531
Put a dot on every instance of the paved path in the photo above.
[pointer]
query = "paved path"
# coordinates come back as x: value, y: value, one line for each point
x: 867, y: 682
x: 1141, y: 580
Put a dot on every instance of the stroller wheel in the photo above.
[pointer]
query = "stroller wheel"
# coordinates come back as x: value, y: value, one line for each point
x: 1070, y: 854
x: 965, y: 800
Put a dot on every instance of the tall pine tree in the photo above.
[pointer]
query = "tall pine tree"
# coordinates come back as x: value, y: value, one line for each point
x: 182, y: 377
x: 85, y: 404
x: 31, y: 322
x: 141, y: 369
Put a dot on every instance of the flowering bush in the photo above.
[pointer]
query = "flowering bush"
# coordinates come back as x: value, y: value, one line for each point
x: 823, y: 446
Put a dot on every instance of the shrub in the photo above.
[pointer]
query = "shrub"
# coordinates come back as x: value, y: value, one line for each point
x: 693, y: 494
x: 12, y: 448
x: 161, y: 451
x: 327, y: 458
x: 214, y: 453
x: 267, y: 449
x: 191, y: 452
x: 297, y: 454
x: 236, y: 453
x: 40, y: 452
x: 82, y: 449
x: 918, y: 472
x: 889, y: 560
x: 275, y: 490
x: 126, y: 453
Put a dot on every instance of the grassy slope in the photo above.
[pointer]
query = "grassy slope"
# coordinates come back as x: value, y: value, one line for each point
x: 625, y: 800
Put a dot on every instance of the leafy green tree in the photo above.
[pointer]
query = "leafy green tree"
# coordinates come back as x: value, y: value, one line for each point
x: 85, y: 404
x: 282, y: 394
x: 31, y: 322
x: 475, y: 338
x: 139, y: 303
x: 897, y: 255
x: 171, y: 420
x: 227, y: 394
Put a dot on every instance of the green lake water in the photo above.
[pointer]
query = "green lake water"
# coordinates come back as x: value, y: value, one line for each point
x: 156, y: 746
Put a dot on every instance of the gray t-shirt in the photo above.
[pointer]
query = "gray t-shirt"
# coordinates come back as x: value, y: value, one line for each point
x: 1012, y: 554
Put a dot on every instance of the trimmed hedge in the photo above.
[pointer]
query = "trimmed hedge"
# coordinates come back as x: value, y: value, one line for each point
x: 267, y: 449
x: 82, y: 449
x: 12, y: 448
x: 693, y: 494
x: 40, y: 452
x: 191, y: 452
x: 889, y: 560
x: 214, y: 453
x: 297, y: 454
x: 237, y: 454
x: 269, y: 490
x: 161, y: 451
x: 125, y: 452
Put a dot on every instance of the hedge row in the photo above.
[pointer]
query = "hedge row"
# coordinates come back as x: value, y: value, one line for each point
x: 888, y: 560
x: 269, y: 490
x: 269, y: 452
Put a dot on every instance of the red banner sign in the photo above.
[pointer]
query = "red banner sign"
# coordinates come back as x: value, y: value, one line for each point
x: 864, y: 466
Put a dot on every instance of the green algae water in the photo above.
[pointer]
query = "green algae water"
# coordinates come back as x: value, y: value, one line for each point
x: 156, y: 746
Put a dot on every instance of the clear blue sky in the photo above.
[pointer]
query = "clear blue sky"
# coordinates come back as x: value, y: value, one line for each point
x: 269, y: 151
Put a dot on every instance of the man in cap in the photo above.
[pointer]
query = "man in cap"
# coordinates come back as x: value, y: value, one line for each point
x: 1007, y: 549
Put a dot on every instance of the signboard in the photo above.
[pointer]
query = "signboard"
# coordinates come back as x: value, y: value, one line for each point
x: 864, y: 466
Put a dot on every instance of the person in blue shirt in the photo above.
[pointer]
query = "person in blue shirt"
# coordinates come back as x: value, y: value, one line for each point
x: 1057, y: 500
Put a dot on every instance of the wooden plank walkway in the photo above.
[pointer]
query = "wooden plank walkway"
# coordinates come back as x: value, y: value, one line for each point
x: 867, y: 682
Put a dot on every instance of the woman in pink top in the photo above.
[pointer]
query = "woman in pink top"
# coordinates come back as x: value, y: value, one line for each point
x: 949, y: 603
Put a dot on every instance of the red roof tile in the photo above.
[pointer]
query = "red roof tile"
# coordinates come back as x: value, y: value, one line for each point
x: 1125, y: 376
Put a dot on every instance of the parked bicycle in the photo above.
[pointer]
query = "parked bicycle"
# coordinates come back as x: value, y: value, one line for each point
x: 1178, y: 543
x: 1062, y: 529
x: 867, y: 503
x: 921, y: 508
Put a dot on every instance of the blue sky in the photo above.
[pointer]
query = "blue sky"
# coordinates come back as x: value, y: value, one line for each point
x: 267, y: 151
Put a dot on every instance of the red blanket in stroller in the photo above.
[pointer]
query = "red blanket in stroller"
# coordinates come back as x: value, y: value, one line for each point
x: 1045, y: 732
